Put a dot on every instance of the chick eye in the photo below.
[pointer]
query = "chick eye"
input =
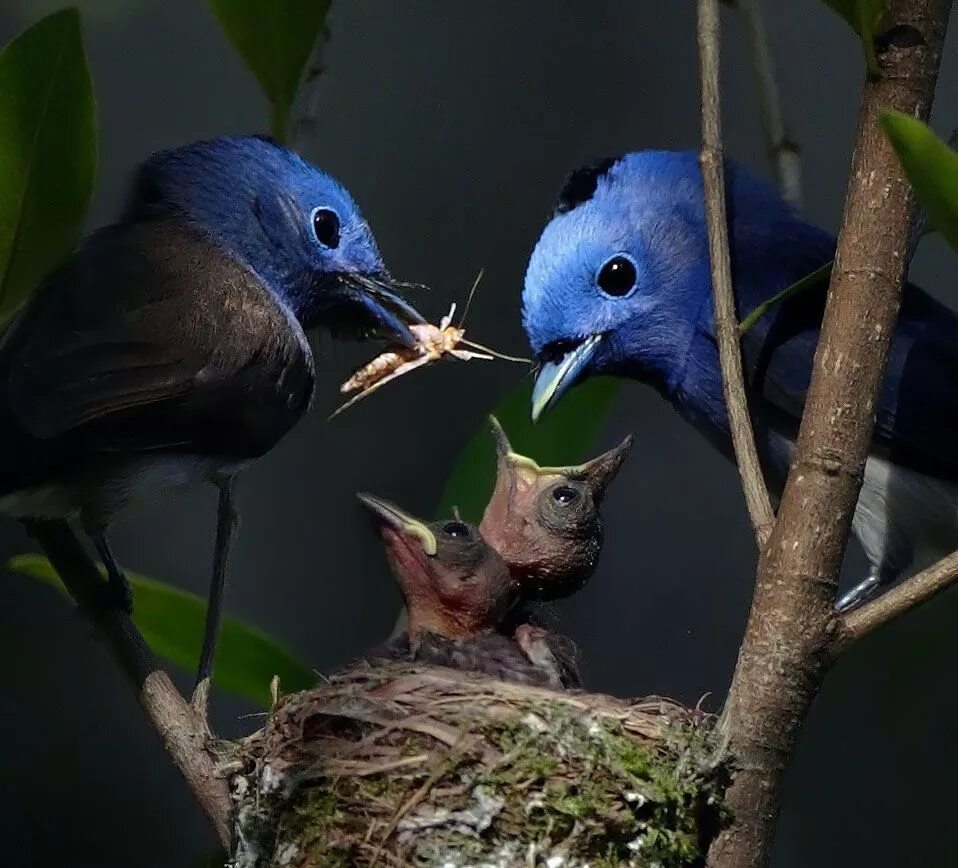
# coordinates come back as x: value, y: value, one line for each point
x: 617, y: 276
x: 326, y: 227
x: 455, y: 529
x: 564, y: 495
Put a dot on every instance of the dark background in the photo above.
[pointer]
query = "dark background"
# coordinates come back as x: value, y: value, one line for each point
x: 453, y: 125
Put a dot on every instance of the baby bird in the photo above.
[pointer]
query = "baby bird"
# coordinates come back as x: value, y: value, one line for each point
x: 457, y: 590
x: 544, y: 521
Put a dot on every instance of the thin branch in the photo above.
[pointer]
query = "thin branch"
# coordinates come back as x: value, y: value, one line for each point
x: 910, y: 594
x: 783, y: 151
x: 306, y: 119
x: 726, y: 320
x: 181, y: 732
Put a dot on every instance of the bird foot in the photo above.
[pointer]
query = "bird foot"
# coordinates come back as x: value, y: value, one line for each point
x: 861, y: 593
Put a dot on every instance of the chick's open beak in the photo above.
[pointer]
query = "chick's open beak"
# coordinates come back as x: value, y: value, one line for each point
x: 388, y: 515
x: 555, y: 377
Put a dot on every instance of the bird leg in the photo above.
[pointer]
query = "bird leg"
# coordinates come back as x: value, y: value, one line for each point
x: 118, y: 586
x: 861, y: 593
x: 227, y: 522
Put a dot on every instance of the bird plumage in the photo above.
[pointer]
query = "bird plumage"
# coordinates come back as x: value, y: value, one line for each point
x: 171, y: 347
x: 648, y: 209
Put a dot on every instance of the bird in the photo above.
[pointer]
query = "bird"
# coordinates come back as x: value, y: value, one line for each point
x: 457, y: 591
x: 170, y: 348
x: 545, y: 521
x: 618, y: 283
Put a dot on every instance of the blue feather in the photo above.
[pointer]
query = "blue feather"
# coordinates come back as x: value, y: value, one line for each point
x: 648, y: 207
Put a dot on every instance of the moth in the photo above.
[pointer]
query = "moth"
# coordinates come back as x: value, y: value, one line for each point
x: 432, y: 344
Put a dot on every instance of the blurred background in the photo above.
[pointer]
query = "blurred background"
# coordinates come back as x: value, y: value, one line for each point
x: 453, y: 125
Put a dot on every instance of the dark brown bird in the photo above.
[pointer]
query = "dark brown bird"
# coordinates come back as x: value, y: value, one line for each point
x: 545, y: 521
x: 457, y: 591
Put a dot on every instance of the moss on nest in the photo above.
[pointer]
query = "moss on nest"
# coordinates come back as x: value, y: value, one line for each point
x: 416, y: 766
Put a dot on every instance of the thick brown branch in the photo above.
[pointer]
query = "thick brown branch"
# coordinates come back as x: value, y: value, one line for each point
x: 182, y: 733
x: 726, y: 320
x: 786, y: 648
x: 783, y: 152
x: 908, y: 595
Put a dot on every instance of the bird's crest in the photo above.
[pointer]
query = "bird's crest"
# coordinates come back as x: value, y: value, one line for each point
x: 580, y: 185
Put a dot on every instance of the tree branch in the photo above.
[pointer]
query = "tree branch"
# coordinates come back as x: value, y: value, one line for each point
x: 783, y: 151
x: 726, y: 319
x: 785, y: 652
x: 910, y: 594
x: 183, y: 735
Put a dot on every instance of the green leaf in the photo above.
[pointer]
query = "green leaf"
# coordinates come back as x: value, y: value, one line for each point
x: 564, y: 435
x: 47, y: 152
x: 863, y: 16
x: 172, y: 621
x: 819, y: 277
x: 274, y: 38
x: 931, y: 167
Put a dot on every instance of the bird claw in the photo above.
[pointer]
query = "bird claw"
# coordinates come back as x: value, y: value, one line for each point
x: 856, y: 596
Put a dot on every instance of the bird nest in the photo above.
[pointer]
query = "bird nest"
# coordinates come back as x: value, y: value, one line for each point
x: 414, y: 766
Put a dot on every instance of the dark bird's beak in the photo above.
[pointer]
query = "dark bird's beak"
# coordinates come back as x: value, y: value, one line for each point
x: 557, y: 376
x: 391, y: 517
x: 365, y: 305
x: 600, y: 471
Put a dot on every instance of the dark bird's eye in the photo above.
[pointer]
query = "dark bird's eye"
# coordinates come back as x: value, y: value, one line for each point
x: 617, y: 276
x: 564, y: 495
x: 455, y: 528
x: 326, y: 227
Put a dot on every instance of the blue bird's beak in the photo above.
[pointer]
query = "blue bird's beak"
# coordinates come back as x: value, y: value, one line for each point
x: 364, y: 305
x: 556, y: 377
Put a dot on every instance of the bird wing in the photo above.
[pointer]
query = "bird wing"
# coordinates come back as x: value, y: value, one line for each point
x: 917, y: 412
x: 151, y: 338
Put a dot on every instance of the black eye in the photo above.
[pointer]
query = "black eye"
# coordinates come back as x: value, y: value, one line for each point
x: 564, y: 495
x: 456, y: 529
x: 617, y: 276
x: 326, y: 227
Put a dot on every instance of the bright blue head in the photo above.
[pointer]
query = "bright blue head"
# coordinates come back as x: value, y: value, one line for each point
x: 296, y: 227
x: 619, y: 282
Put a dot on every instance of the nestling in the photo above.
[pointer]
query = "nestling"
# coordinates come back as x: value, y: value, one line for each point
x: 545, y: 521
x: 457, y: 591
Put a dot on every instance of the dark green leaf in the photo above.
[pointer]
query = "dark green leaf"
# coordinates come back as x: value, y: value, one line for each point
x: 275, y: 38
x: 47, y: 152
x: 171, y: 621
x: 818, y: 278
x: 931, y: 167
x: 863, y: 16
x: 564, y: 435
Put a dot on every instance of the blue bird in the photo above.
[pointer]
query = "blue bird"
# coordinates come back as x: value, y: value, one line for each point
x: 171, y: 348
x: 619, y: 284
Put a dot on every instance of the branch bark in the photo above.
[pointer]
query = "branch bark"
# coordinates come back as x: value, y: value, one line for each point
x: 910, y: 594
x: 786, y: 648
x: 726, y: 319
x: 183, y: 734
x: 783, y: 151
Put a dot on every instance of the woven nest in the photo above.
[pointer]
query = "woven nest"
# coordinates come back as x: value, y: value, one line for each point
x: 416, y: 766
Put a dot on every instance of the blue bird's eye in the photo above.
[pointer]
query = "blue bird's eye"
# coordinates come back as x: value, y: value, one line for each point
x: 617, y: 277
x: 326, y: 227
